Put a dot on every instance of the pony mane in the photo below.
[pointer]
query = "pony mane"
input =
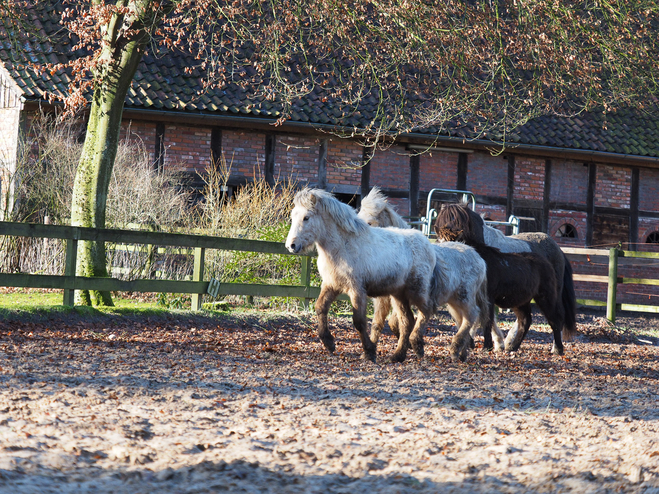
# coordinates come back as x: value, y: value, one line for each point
x: 457, y: 221
x: 325, y: 203
x: 375, y: 204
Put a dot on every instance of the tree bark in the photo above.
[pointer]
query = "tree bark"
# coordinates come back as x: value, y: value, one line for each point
x: 119, y: 62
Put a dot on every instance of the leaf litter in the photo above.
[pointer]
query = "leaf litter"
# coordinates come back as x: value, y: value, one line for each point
x: 255, y: 404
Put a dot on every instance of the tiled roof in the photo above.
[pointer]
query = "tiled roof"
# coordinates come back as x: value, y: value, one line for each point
x: 161, y: 82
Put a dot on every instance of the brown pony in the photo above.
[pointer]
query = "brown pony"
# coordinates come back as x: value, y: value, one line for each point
x: 514, y: 279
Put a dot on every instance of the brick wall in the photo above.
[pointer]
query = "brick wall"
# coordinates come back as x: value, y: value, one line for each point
x: 646, y: 226
x: 613, y: 187
x: 648, y: 189
x: 187, y: 148
x: 487, y: 175
x: 344, y: 162
x: 438, y: 170
x: 577, y: 219
x: 529, y: 178
x: 139, y: 131
x: 569, y: 182
x: 494, y: 213
x: 244, y: 151
x: 296, y: 158
x: 390, y: 169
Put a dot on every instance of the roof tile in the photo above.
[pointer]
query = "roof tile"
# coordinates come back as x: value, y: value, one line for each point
x: 173, y: 81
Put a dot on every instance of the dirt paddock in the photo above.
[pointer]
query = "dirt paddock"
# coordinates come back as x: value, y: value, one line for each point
x: 254, y: 404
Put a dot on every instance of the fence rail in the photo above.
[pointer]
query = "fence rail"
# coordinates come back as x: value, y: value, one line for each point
x: 613, y: 280
x: 197, y: 287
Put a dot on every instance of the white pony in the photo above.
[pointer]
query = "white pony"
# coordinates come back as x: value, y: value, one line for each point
x: 365, y: 262
x: 462, y: 272
x: 496, y: 238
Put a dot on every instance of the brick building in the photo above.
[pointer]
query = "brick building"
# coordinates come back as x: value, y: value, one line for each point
x: 590, y: 180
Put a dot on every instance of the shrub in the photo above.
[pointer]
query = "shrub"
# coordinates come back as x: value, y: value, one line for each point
x: 43, y: 182
x: 257, y: 211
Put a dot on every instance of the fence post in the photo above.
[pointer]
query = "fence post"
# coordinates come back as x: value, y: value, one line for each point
x: 612, y: 287
x: 198, y: 275
x: 305, y: 279
x: 70, y: 266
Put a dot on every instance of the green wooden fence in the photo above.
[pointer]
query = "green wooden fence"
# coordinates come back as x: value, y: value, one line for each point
x: 197, y: 287
x: 612, y: 279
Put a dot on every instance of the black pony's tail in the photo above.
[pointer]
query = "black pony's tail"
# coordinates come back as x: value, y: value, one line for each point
x: 437, y: 283
x: 569, y: 299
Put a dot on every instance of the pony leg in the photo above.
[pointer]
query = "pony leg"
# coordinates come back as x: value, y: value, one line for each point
x: 394, y: 324
x: 382, y: 306
x: 325, y: 299
x: 406, y: 319
x: 416, y: 337
x: 461, y: 342
x: 463, y: 339
x: 457, y: 313
x: 359, y: 320
x: 521, y: 327
x: 487, y: 335
x: 556, y: 319
x: 499, y: 342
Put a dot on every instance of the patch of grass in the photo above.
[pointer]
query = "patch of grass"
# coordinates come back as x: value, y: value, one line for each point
x: 35, y: 305
x: 27, y: 299
x: 42, y: 305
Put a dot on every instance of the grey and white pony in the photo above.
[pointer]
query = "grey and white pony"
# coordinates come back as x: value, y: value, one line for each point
x: 462, y: 283
x: 363, y: 262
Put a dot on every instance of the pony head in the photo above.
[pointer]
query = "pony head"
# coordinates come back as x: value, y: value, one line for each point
x: 314, y: 210
x: 376, y: 211
x: 458, y: 223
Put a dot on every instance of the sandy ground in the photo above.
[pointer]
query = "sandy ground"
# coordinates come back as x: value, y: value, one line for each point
x: 255, y: 404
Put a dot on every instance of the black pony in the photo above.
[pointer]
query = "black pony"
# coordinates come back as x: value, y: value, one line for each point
x: 514, y: 279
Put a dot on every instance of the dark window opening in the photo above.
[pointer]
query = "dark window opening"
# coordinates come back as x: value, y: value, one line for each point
x: 653, y: 238
x: 567, y: 231
x: 350, y: 199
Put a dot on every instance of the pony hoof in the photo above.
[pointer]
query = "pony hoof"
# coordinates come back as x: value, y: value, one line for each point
x: 463, y: 355
x: 369, y: 357
x: 418, y: 349
x: 329, y: 344
x: 396, y: 359
x: 557, y: 351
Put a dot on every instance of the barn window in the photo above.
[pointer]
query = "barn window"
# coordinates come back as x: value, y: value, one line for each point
x: 567, y: 231
x: 653, y: 238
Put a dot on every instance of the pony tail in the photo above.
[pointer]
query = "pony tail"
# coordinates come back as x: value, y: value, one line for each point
x: 569, y: 299
x: 436, y: 285
x: 483, y: 303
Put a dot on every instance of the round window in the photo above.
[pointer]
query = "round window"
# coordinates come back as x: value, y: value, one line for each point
x: 567, y: 231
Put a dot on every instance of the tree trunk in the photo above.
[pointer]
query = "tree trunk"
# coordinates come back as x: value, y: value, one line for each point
x: 94, y: 171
